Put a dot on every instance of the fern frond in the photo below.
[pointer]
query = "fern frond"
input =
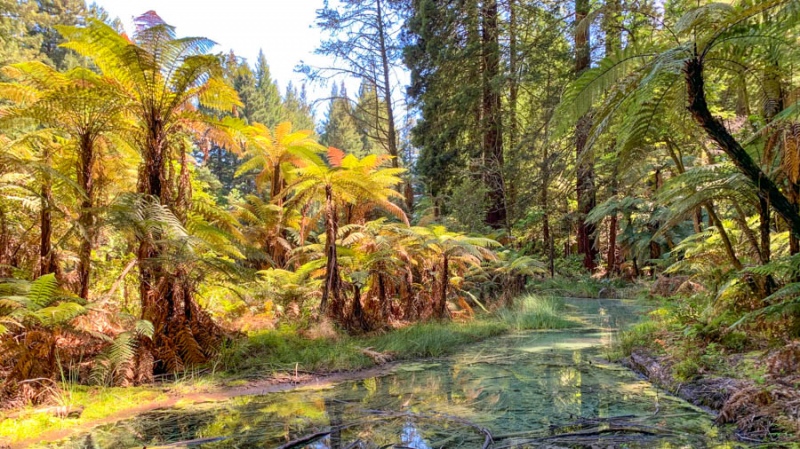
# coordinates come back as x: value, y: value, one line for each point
x: 42, y: 290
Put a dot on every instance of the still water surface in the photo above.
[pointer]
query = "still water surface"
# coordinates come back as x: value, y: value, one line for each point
x: 549, y: 389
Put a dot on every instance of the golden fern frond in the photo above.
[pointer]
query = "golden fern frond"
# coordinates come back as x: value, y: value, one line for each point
x: 282, y: 130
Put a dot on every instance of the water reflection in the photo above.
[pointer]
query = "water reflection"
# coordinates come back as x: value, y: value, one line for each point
x: 527, y: 389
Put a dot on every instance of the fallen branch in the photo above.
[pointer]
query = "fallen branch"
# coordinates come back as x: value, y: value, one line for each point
x: 118, y: 281
x: 380, y: 358
x: 60, y: 411
x: 305, y: 440
x: 597, y: 432
x: 188, y: 443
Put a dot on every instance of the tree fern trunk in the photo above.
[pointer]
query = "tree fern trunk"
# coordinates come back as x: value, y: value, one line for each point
x: 386, y: 306
x: 331, y: 291
x: 611, y: 255
x: 408, y: 294
x: 5, y: 244
x: 442, y: 312
x: 764, y: 229
x: 86, y: 219
x: 357, y: 319
x: 741, y: 218
x: 185, y: 335
x: 47, y: 263
x: 698, y: 106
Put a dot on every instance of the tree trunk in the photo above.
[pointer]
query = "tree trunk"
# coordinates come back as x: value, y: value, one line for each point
x: 613, y: 44
x: 86, y: 219
x: 587, y: 199
x: 391, y: 134
x: 357, y: 318
x: 47, y: 262
x: 492, y: 117
x: 764, y: 229
x: 767, y: 190
x: 184, y: 334
x: 611, y: 255
x: 546, y: 241
x: 585, y: 190
x: 723, y: 234
x: 5, y: 245
x: 547, y: 238
x: 386, y: 306
x: 445, y: 279
x: 513, y: 81
x: 331, y: 291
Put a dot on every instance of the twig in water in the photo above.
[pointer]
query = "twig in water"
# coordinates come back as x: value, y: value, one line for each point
x: 353, y: 444
x: 305, y: 441
x: 658, y: 405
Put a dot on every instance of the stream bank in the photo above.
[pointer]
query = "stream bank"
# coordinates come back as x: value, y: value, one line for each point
x: 764, y: 410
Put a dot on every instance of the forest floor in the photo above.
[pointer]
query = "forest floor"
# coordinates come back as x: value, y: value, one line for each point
x: 270, y: 361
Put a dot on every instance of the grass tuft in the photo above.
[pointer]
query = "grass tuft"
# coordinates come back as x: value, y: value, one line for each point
x: 536, y: 312
x: 434, y: 339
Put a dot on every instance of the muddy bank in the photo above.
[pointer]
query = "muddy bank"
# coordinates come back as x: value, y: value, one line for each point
x: 764, y: 411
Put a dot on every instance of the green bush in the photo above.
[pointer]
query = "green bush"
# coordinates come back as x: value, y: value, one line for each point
x: 736, y: 340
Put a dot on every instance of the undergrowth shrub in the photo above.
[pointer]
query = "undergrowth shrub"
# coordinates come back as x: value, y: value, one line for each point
x: 639, y: 335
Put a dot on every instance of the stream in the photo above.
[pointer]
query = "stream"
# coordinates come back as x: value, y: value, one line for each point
x: 545, y: 389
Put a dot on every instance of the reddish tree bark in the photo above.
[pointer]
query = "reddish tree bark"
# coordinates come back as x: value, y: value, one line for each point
x: 585, y: 189
x: 492, y: 117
